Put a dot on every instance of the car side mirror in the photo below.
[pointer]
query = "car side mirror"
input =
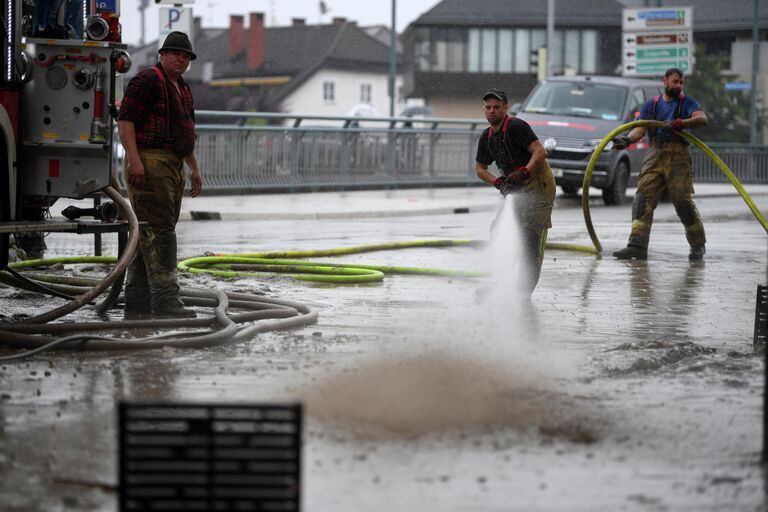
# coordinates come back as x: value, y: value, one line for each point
x: 515, y: 108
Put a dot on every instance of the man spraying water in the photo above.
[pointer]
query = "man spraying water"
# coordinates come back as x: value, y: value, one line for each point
x: 526, y: 176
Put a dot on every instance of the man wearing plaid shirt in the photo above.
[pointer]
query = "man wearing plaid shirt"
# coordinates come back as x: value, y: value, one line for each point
x: 157, y: 130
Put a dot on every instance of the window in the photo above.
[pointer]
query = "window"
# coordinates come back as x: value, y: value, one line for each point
x: 584, y: 99
x: 522, y: 51
x: 473, y: 51
x: 441, y: 56
x: 456, y: 57
x: 555, y: 53
x: 572, y: 50
x: 488, y: 57
x: 365, y: 93
x: 538, y: 38
x: 589, y: 51
x: 329, y: 93
x: 421, y: 50
x: 505, y: 51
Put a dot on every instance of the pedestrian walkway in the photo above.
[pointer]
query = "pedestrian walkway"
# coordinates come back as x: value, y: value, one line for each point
x: 375, y: 203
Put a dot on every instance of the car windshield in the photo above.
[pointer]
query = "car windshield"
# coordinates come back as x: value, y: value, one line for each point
x: 582, y: 99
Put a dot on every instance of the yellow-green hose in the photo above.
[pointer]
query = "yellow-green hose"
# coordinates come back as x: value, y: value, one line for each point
x: 286, y: 263
x: 265, y: 263
x: 693, y: 139
x: 67, y: 260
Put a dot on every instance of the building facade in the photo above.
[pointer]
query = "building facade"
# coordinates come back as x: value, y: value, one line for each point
x: 459, y: 49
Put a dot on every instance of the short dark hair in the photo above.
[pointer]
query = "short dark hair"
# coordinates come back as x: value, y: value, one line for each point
x: 674, y: 71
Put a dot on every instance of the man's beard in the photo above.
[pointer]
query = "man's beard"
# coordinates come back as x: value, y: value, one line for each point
x: 672, y: 92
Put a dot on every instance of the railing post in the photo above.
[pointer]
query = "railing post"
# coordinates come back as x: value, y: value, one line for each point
x: 391, y: 153
x: 344, y: 164
x: 432, y: 153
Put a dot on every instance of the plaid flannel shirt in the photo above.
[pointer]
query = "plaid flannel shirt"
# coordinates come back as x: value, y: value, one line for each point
x: 145, y: 104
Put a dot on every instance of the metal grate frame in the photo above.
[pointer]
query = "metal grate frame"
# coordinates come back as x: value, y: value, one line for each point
x: 209, y: 457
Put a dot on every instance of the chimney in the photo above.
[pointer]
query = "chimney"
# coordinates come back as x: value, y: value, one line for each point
x: 338, y: 20
x: 236, y: 34
x: 256, y: 41
x: 298, y: 22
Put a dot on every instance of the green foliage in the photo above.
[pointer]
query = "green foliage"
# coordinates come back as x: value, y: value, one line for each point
x: 728, y: 112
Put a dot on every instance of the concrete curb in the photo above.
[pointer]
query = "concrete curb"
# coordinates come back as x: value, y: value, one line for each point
x: 490, y: 205
x: 193, y: 215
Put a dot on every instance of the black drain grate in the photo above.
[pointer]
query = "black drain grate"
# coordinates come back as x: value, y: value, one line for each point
x: 209, y: 457
x: 761, y: 316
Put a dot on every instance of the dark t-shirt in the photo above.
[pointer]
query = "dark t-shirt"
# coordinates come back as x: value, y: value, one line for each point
x: 508, y: 151
x: 665, y: 111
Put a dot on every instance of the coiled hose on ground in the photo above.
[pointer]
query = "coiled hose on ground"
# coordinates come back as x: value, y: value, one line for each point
x: 693, y: 139
x: 35, y: 334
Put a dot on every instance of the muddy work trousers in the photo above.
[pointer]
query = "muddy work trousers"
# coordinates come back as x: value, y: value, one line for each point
x: 666, y: 168
x: 151, y: 279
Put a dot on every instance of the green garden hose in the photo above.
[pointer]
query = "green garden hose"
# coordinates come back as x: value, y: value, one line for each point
x: 266, y: 263
x: 693, y: 139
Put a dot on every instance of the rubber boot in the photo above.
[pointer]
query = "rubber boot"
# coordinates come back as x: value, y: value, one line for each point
x: 137, y: 289
x: 697, y: 253
x: 632, y: 252
x: 160, y: 259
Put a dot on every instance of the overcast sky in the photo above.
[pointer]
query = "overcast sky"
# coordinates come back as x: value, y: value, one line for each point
x: 215, y: 13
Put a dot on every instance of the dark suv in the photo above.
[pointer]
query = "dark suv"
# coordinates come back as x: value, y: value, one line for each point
x: 572, y: 114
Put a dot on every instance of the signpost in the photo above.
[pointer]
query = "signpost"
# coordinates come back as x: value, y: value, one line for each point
x: 654, y: 40
x: 738, y: 86
x: 174, y: 19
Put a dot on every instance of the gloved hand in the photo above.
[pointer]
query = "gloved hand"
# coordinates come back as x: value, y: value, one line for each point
x: 621, y: 142
x: 501, y: 185
x: 675, y: 125
x: 517, y: 179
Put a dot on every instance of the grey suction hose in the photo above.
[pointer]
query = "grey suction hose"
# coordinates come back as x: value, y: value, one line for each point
x: 117, y: 271
x: 114, y: 293
x: 273, y: 313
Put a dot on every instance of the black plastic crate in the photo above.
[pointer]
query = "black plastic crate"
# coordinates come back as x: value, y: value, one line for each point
x: 201, y: 457
x: 761, y: 316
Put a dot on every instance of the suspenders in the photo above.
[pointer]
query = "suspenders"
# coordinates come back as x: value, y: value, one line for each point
x: 678, y: 112
x: 503, y: 131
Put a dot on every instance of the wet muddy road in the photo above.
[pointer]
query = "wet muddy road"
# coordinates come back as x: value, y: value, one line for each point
x: 621, y: 386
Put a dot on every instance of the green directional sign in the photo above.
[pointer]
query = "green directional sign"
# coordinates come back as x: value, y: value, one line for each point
x: 668, y: 52
x: 658, y: 67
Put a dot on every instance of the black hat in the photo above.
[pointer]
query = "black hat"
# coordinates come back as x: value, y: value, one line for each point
x: 178, y: 41
x: 496, y: 93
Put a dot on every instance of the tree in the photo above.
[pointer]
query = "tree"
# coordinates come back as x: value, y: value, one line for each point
x: 728, y: 112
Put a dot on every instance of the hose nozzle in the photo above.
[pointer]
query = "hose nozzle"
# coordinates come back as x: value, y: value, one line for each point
x: 106, y: 212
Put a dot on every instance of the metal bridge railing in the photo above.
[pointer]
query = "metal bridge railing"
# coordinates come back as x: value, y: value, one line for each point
x: 313, y: 152
x: 241, y: 153
x: 748, y: 163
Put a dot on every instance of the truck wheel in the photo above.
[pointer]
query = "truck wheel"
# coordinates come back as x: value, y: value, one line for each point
x: 570, y: 189
x: 616, y: 192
